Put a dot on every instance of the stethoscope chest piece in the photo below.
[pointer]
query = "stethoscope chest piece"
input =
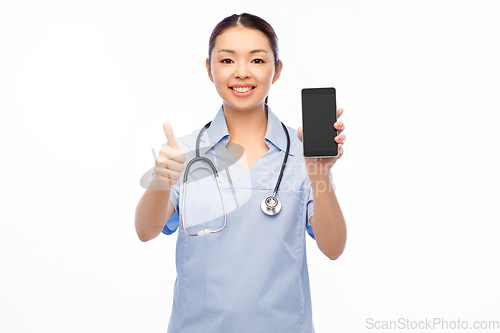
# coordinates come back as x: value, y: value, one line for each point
x: 270, y: 205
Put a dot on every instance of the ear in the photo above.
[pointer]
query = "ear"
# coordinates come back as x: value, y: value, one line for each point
x: 277, y: 73
x: 209, y: 72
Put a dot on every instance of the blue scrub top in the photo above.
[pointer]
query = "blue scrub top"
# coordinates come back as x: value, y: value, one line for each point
x: 252, y: 276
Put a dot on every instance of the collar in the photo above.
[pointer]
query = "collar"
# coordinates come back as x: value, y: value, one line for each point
x: 274, y: 133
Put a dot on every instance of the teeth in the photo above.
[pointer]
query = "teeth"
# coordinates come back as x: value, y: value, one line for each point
x: 242, y: 89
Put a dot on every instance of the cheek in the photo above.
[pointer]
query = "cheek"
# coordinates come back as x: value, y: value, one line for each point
x: 266, y: 74
x: 221, y: 76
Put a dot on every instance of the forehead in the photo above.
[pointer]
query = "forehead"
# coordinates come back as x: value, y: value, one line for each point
x: 241, y: 40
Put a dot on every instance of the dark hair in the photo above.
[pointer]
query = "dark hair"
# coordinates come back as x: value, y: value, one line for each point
x: 248, y: 21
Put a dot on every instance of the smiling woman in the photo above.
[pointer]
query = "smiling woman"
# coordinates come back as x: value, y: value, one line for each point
x: 235, y: 62
x: 251, y: 274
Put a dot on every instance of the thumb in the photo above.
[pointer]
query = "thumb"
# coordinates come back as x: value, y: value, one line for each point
x: 169, y: 133
x: 299, y: 134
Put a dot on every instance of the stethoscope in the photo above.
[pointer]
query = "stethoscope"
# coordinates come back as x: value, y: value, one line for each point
x: 270, y: 205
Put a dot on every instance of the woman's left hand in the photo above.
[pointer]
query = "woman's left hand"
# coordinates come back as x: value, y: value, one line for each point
x: 322, y: 166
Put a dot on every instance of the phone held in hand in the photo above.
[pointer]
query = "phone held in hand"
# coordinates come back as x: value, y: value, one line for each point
x: 319, y: 114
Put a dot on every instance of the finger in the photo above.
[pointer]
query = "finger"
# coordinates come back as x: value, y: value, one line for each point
x: 340, y: 138
x: 166, y: 173
x: 172, y: 154
x: 299, y: 133
x: 176, y: 155
x: 340, y: 111
x: 340, y: 127
x: 169, y: 133
x: 165, y: 180
x: 169, y: 164
x: 340, y: 150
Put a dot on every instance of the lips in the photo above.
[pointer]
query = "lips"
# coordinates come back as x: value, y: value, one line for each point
x: 239, y: 87
x: 242, y: 94
x: 242, y: 85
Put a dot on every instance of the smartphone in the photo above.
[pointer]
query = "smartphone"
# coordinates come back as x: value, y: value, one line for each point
x: 319, y: 114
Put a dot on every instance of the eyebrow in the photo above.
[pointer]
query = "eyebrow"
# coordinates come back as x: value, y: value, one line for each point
x: 253, y: 51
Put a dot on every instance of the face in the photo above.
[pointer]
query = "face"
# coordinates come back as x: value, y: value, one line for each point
x: 243, y: 56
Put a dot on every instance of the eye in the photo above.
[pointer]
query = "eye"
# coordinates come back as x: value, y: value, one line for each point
x: 224, y: 61
x: 261, y: 61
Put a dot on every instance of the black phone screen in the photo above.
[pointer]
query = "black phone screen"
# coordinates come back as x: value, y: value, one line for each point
x: 319, y: 114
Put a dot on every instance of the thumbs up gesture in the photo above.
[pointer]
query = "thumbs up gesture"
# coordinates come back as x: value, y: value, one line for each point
x: 170, y: 161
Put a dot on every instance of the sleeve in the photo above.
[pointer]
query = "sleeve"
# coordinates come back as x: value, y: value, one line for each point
x: 310, y: 207
x: 173, y: 223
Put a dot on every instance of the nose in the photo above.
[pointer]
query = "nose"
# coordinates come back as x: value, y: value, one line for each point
x: 242, y: 71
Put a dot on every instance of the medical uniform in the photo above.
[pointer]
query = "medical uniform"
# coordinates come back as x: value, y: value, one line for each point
x: 252, y: 276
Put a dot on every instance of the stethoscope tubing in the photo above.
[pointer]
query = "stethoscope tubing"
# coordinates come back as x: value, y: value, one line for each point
x: 216, y: 176
x: 270, y: 205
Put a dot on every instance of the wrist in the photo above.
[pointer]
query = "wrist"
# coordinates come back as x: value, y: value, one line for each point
x: 319, y: 177
x: 157, y: 186
x: 321, y: 183
x: 319, y: 173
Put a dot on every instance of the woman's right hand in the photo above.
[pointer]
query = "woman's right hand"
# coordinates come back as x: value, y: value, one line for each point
x: 170, y: 161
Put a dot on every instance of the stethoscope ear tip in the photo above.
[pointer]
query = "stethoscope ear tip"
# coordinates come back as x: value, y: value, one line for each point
x: 203, y: 232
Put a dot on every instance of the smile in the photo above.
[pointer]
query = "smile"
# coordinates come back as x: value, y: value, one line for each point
x: 242, y: 92
x: 245, y: 89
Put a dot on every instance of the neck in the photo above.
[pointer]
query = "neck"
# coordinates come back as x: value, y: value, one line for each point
x: 246, y: 125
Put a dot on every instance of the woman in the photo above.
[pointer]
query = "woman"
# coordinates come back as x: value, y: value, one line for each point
x: 251, y: 276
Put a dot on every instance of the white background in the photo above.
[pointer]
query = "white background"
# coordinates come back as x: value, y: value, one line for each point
x: 85, y: 87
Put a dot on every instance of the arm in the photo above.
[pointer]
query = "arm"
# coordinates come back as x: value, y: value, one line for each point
x: 153, y: 211
x: 155, y: 208
x: 329, y: 227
